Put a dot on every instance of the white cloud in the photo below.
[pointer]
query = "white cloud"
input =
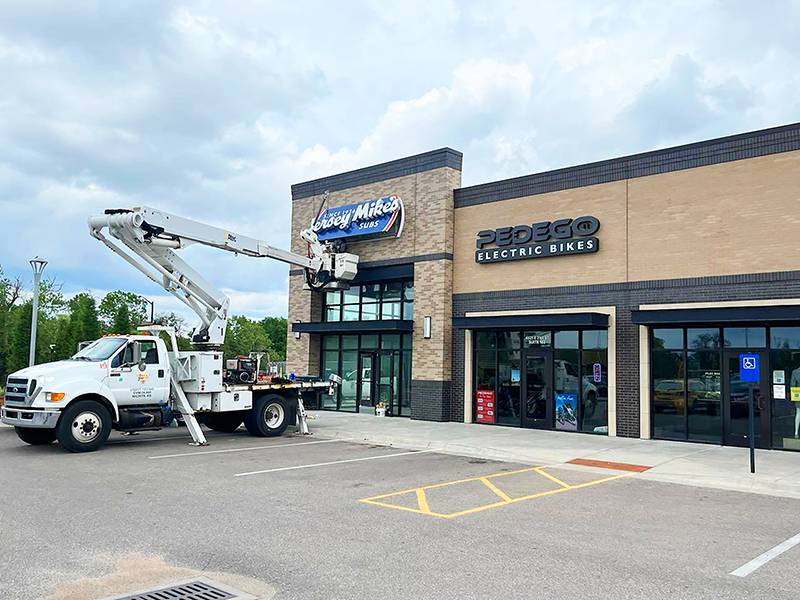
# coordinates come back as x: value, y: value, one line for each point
x: 212, y: 111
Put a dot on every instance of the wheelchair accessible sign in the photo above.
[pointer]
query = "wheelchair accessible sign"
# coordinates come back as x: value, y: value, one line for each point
x: 749, y: 367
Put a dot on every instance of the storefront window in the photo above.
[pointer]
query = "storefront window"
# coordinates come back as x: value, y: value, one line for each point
x: 706, y: 338
x: 389, y: 355
x: 669, y: 403
x: 370, y: 302
x: 745, y: 337
x: 667, y: 339
x: 508, y: 394
x: 785, y: 368
x: 577, y: 363
x: 704, y: 395
x: 566, y: 370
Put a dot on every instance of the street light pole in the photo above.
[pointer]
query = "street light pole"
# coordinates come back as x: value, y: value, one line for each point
x: 38, y: 265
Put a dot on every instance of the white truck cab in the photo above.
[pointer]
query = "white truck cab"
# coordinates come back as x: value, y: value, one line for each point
x: 115, y: 373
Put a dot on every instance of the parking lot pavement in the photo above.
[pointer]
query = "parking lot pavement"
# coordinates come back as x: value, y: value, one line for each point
x: 296, y: 517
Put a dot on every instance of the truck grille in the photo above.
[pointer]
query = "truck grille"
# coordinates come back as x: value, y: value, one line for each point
x: 19, y: 390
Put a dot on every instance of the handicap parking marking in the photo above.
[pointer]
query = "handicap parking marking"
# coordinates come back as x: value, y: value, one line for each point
x: 248, y: 449
x: 424, y: 502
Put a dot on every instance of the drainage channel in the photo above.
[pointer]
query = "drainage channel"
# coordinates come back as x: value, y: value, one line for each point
x: 190, y: 590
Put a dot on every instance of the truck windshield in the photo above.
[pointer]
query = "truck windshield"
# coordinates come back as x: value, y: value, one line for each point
x: 100, y: 350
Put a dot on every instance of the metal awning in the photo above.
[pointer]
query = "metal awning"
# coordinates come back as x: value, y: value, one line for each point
x: 737, y: 314
x: 544, y: 321
x: 354, y: 327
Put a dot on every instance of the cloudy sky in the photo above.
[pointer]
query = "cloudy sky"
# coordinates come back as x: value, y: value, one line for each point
x: 213, y: 109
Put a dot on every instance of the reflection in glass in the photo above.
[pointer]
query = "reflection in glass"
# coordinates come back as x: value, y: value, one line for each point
x: 333, y: 314
x: 704, y: 392
x: 350, y: 312
x: 330, y: 364
x: 508, y: 397
x: 595, y: 339
x: 537, y: 392
x: 785, y: 413
x: 390, y: 310
x: 784, y: 338
x: 745, y: 337
x: 566, y: 339
x: 669, y: 406
x: 369, y: 312
x: 667, y: 339
x: 697, y: 339
x: 594, y: 386
x: 485, y: 340
x: 349, y: 380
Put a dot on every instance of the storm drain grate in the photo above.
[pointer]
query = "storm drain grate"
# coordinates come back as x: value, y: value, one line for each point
x: 194, y: 590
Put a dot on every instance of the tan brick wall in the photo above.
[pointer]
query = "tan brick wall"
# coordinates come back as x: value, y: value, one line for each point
x: 432, y: 284
x: 735, y: 217
x: 605, y: 201
x: 428, y: 229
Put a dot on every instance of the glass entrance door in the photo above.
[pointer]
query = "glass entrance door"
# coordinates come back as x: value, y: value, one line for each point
x: 737, y: 395
x: 388, y: 381
x: 538, y: 389
x: 366, y: 381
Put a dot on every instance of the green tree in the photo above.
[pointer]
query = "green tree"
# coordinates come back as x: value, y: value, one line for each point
x: 136, y: 305
x: 244, y: 336
x: 84, y: 324
x: 122, y: 320
x: 19, y: 337
x: 276, y: 330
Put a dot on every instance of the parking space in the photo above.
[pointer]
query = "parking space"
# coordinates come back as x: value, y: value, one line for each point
x: 330, y: 518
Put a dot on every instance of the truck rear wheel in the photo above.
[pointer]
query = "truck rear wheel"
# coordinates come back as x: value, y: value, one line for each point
x: 84, y: 426
x: 226, y: 422
x: 36, y: 437
x: 269, y: 416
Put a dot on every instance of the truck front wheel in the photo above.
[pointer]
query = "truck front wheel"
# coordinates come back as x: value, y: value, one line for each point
x: 84, y: 426
x: 269, y: 416
x: 36, y: 437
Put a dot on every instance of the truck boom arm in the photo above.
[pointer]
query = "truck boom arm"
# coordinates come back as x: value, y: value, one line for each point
x: 153, y: 236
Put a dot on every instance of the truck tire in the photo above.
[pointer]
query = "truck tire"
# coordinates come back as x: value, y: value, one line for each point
x: 269, y: 416
x: 226, y: 422
x: 84, y: 426
x: 36, y: 437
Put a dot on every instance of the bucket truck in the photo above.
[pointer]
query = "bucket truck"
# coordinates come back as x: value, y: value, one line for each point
x: 139, y: 382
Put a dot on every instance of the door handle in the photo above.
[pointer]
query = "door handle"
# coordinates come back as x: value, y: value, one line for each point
x: 161, y: 373
x: 114, y: 374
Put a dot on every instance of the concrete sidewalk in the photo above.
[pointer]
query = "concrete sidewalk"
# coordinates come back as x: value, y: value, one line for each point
x: 701, y: 465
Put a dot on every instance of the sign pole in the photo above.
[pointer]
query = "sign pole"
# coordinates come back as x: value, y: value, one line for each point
x: 752, y: 435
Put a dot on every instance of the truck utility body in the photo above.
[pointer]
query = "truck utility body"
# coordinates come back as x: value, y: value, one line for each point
x: 139, y: 382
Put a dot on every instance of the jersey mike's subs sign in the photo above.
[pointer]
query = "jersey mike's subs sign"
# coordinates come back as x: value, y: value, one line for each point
x: 376, y: 218
x: 538, y: 240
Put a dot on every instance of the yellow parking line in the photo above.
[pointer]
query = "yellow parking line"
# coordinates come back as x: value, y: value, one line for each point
x: 470, y: 511
x: 434, y: 486
x: 552, y: 478
x: 496, y: 489
x: 424, y: 507
x: 422, y: 501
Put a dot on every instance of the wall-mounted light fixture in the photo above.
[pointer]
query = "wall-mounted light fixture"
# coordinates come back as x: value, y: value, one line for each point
x: 297, y: 333
x: 426, y: 328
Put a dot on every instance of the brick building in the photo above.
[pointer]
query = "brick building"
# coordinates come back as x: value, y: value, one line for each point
x: 653, y: 295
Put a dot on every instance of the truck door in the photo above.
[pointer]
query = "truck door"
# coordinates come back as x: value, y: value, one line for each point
x: 138, y: 374
x: 151, y: 374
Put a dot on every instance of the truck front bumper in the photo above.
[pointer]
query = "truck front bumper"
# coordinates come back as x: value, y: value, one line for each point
x: 28, y: 417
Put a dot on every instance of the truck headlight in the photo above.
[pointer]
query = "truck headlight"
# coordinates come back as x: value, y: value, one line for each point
x: 54, y: 396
